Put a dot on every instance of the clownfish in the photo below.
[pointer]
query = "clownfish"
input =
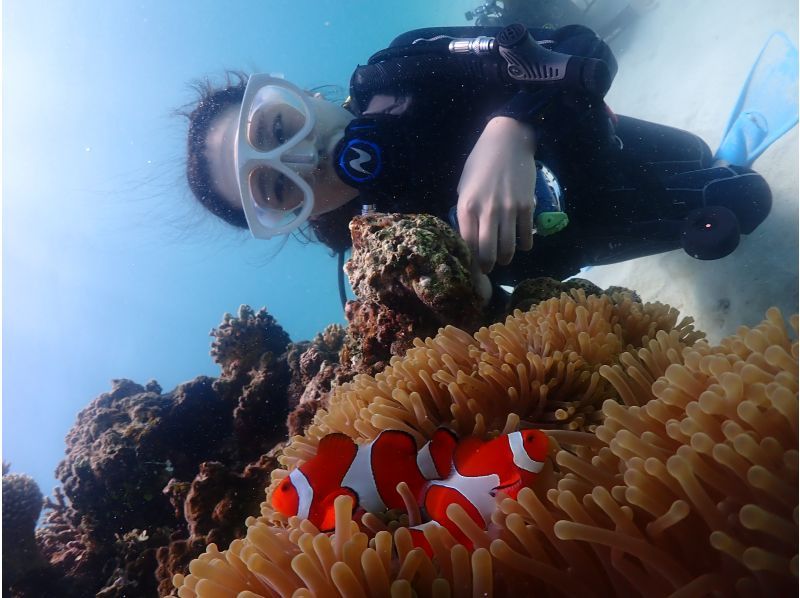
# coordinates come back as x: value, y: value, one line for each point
x: 368, y: 473
x: 468, y: 471
x: 480, y: 470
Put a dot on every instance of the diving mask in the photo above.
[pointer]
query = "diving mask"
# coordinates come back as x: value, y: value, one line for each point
x: 276, y: 156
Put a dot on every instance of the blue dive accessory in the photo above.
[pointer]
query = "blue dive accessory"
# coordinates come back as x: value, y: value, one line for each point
x: 370, y: 156
x: 767, y: 105
x: 549, y: 216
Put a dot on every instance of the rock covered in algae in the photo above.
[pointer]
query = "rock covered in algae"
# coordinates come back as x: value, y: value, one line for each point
x: 532, y: 291
x: 414, y: 264
x: 410, y: 274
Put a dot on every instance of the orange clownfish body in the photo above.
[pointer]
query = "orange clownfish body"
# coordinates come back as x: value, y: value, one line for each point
x: 468, y: 472
x: 369, y: 473
x: 480, y: 470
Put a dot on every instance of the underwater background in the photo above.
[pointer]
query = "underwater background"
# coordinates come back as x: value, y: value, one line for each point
x: 111, y: 271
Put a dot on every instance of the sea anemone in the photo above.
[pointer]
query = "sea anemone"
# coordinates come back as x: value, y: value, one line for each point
x: 673, y: 472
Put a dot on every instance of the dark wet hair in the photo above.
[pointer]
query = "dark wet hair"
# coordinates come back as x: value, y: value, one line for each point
x: 331, y: 228
x: 210, y: 104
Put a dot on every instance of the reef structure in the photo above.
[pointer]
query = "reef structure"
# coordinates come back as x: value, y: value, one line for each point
x: 22, y: 504
x: 411, y: 275
x: 686, y: 487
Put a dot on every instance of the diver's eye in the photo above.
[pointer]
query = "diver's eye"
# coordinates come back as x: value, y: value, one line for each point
x: 277, y: 130
x: 280, y: 188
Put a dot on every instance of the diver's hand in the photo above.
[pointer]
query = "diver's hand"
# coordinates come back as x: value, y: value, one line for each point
x: 495, y: 193
x: 481, y: 283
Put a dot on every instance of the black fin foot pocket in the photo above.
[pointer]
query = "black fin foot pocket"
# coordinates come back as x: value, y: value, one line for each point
x: 747, y: 195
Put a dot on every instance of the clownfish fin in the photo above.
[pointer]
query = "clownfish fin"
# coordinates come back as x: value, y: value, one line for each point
x: 325, y: 513
x: 439, y: 497
x: 471, y: 458
x: 435, y: 458
x: 334, y: 455
x: 332, y: 443
x: 393, y: 459
x: 418, y: 538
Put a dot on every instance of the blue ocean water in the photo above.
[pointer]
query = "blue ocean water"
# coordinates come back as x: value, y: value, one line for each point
x: 110, y: 270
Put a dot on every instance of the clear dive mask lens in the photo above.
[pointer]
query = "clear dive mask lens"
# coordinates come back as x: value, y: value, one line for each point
x: 276, y: 156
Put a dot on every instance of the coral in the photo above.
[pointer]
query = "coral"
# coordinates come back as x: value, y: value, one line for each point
x: 133, y: 458
x: 135, y: 561
x: 251, y: 350
x: 315, y: 368
x: 22, y: 504
x: 411, y: 275
x: 308, y: 358
x: 375, y: 333
x: 532, y: 291
x: 219, y: 499
x: 241, y: 340
x: 413, y: 264
x: 259, y: 418
x: 687, y: 486
x: 130, y: 481
x: 214, y: 506
x: 128, y: 443
x: 76, y: 564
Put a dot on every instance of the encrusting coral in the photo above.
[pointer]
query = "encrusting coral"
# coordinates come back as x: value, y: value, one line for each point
x: 687, y: 485
x: 150, y: 478
x: 411, y: 275
x: 22, y: 504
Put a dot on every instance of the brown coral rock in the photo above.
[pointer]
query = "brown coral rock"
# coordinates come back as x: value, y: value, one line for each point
x: 241, y: 340
x: 375, y: 333
x: 314, y: 367
x: 22, y: 504
x: 532, y: 291
x: 415, y: 265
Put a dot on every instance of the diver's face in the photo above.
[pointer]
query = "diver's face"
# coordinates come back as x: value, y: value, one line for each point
x: 271, y: 126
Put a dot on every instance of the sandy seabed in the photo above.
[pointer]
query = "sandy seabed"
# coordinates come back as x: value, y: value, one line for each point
x: 683, y: 64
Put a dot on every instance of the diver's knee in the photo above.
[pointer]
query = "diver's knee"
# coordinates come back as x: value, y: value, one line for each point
x: 747, y: 195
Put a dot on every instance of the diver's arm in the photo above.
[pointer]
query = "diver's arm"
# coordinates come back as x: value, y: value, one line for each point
x: 495, y: 192
x: 495, y: 202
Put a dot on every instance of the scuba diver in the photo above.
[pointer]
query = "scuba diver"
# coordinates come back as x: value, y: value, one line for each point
x: 608, y: 18
x: 502, y: 131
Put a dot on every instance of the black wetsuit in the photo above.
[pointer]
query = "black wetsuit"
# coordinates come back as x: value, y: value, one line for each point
x: 628, y: 184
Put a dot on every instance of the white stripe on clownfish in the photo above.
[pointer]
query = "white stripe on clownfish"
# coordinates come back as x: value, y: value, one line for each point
x: 521, y: 457
x: 425, y: 463
x: 359, y: 479
x: 305, y: 493
x: 478, y: 490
